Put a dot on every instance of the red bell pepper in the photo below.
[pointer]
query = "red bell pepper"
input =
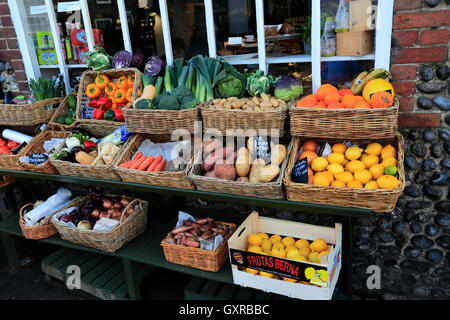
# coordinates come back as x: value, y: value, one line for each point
x: 12, y: 144
x: 89, y: 145
x: 105, y: 102
x: 118, y: 113
x: 93, y: 103
x: 2, y: 143
x: 98, y: 114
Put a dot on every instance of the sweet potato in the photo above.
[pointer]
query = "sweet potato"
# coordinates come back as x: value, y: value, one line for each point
x: 225, y: 171
x: 209, y: 162
x: 211, y: 145
x: 210, y: 174
x: 243, y: 162
x: 221, y: 154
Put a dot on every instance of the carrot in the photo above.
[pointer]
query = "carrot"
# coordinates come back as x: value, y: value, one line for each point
x: 125, y: 164
x: 136, y: 164
x: 155, y: 163
x: 136, y: 157
x: 161, y: 166
x: 146, y: 163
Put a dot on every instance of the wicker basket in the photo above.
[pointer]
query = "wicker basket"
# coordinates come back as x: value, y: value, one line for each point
x: 62, y: 110
x: 37, y: 146
x: 196, y: 257
x: 271, y: 190
x: 378, y: 200
x: 66, y: 168
x: 344, y: 123
x: 109, y: 241
x: 161, y: 121
x: 173, y: 179
x: 236, y: 120
x: 41, y: 231
x: 88, y: 77
x: 28, y: 114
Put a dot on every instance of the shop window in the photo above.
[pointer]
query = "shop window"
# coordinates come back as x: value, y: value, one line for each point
x: 7, y: 78
x: 187, y: 28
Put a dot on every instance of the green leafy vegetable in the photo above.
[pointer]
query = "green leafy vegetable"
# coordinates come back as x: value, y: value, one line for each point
x: 229, y: 83
x: 258, y: 83
x: 188, y: 102
x: 169, y: 102
x: 99, y: 59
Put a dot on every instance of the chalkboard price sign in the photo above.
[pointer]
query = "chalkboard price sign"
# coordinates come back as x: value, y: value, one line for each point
x: 37, y: 158
x: 261, y: 148
x: 87, y: 112
x: 300, y: 171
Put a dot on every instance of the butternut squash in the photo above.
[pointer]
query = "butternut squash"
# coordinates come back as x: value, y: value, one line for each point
x: 84, y: 158
x: 148, y: 93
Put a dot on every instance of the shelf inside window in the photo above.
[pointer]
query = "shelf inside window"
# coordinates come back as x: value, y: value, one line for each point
x: 348, y: 58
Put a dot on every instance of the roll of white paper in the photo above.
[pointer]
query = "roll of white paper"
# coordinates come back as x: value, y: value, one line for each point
x: 16, y: 136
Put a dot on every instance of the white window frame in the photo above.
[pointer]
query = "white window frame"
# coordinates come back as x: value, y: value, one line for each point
x: 381, y: 56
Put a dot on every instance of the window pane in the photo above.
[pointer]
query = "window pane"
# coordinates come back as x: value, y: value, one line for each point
x: 187, y: 28
x: 235, y: 25
x: 287, y: 27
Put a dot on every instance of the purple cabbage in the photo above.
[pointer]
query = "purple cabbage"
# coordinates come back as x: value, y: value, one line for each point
x: 122, y: 59
x: 137, y: 60
x: 288, y: 88
x: 153, y: 66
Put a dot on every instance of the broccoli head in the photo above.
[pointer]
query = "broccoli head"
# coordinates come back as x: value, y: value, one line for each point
x: 181, y: 92
x: 158, y: 98
x: 188, y: 102
x: 169, y: 102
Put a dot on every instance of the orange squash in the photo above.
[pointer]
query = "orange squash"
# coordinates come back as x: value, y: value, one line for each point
x: 381, y: 99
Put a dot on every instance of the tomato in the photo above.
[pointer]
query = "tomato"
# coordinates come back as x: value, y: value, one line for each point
x: 2, y: 143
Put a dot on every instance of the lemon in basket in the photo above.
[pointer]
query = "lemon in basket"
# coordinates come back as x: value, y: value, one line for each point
x: 255, y: 249
x: 335, y: 168
x: 371, y: 185
x: 388, y: 151
x: 277, y: 251
x: 345, y: 176
x: 388, y: 182
x: 319, y: 164
x: 321, y: 180
x: 304, y: 251
x: 354, y: 184
x: 370, y: 160
x: 389, y: 161
x: 339, y: 148
x: 275, y: 238
x: 355, y: 166
x: 338, y: 184
x: 301, y: 243
x: 374, y: 149
x: 336, y: 158
x: 288, y: 241
x: 363, y: 176
x: 318, y: 245
x: 377, y: 170
x: 266, y: 245
x: 353, y: 153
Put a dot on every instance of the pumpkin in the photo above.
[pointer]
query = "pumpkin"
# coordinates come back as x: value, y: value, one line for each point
x: 381, y: 99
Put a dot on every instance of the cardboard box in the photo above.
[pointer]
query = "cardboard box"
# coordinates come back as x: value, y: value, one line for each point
x: 46, y: 57
x: 355, y: 44
x: 78, y: 37
x: 45, y: 40
x: 81, y: 54
x: 362, y: 15
x: 282, y: 267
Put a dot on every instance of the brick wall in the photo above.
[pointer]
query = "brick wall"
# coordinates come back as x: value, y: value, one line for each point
x: 9, y: 50
x: 421, y: 30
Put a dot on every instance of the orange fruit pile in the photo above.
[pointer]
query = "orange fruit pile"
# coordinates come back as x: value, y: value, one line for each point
x: 329, y: 97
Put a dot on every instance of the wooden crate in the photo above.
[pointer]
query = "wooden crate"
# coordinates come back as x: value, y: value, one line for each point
x: 355, y: 44
x: 361, y: 15
x: 237, y: 245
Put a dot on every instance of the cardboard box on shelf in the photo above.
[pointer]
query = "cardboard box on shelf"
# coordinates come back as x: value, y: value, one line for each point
x: 78, y: 37
x: 310, y: 276
x: 356, y: 44
x: 46, y: 57
x: 362, y: 15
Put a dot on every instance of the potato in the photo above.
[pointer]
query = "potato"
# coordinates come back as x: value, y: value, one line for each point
x: 237, y: 104
x: 267, y: 173
x: 243, y: 179
x: 254, y: 171
x: 265, y: 97
x: 231, y: 99
x: 274, y: 102
x: 243, y: 162
x: 222, y: 101
x: 244, y: 107
x: 265, y: 105
x: 278, y: 154
x: 256, y: 101
x: 227, y: 105
x: 225, y: 171
x: 216, y: 101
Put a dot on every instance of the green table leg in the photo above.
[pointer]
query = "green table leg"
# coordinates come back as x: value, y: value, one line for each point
x: 130, y: 271
x: 10, y: 249
x: 347, y: 256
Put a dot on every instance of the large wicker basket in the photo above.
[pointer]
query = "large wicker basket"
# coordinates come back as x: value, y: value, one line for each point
x: 37, y: 146
x: 344, y: 123
x: 41, y: 231
x: 88, y: 77
x: 28, y: 114
x: 104, y: 171
x: 109, y: 241
x: 378, y: 200
x: 196, y: 257
x: 237, y: 120
x: 160, y: 121
x: 173, y: 179
x: 271, y: 190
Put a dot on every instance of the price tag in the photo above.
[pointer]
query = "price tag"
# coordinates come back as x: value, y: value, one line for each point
x: 261, y: 148
x: 87, y: 112
x: 300, y: 171
x: 37, y: 158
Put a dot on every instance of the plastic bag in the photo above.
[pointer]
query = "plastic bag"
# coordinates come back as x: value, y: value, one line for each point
x: 342, y: 17
x: 328, y: 40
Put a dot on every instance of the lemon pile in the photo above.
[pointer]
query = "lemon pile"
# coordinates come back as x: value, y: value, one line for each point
x: 285, y: 247
x: 374, y: 167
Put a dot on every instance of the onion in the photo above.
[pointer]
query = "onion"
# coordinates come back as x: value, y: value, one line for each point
x: 95, y: 213
x: 125, y: 201
x: 116, y: 214
x: 110, y: 211
x: 109, y: 215
x: 117, y: 205
x: 107, y: 204
x: 130, y: 210
x: 103, y: 214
